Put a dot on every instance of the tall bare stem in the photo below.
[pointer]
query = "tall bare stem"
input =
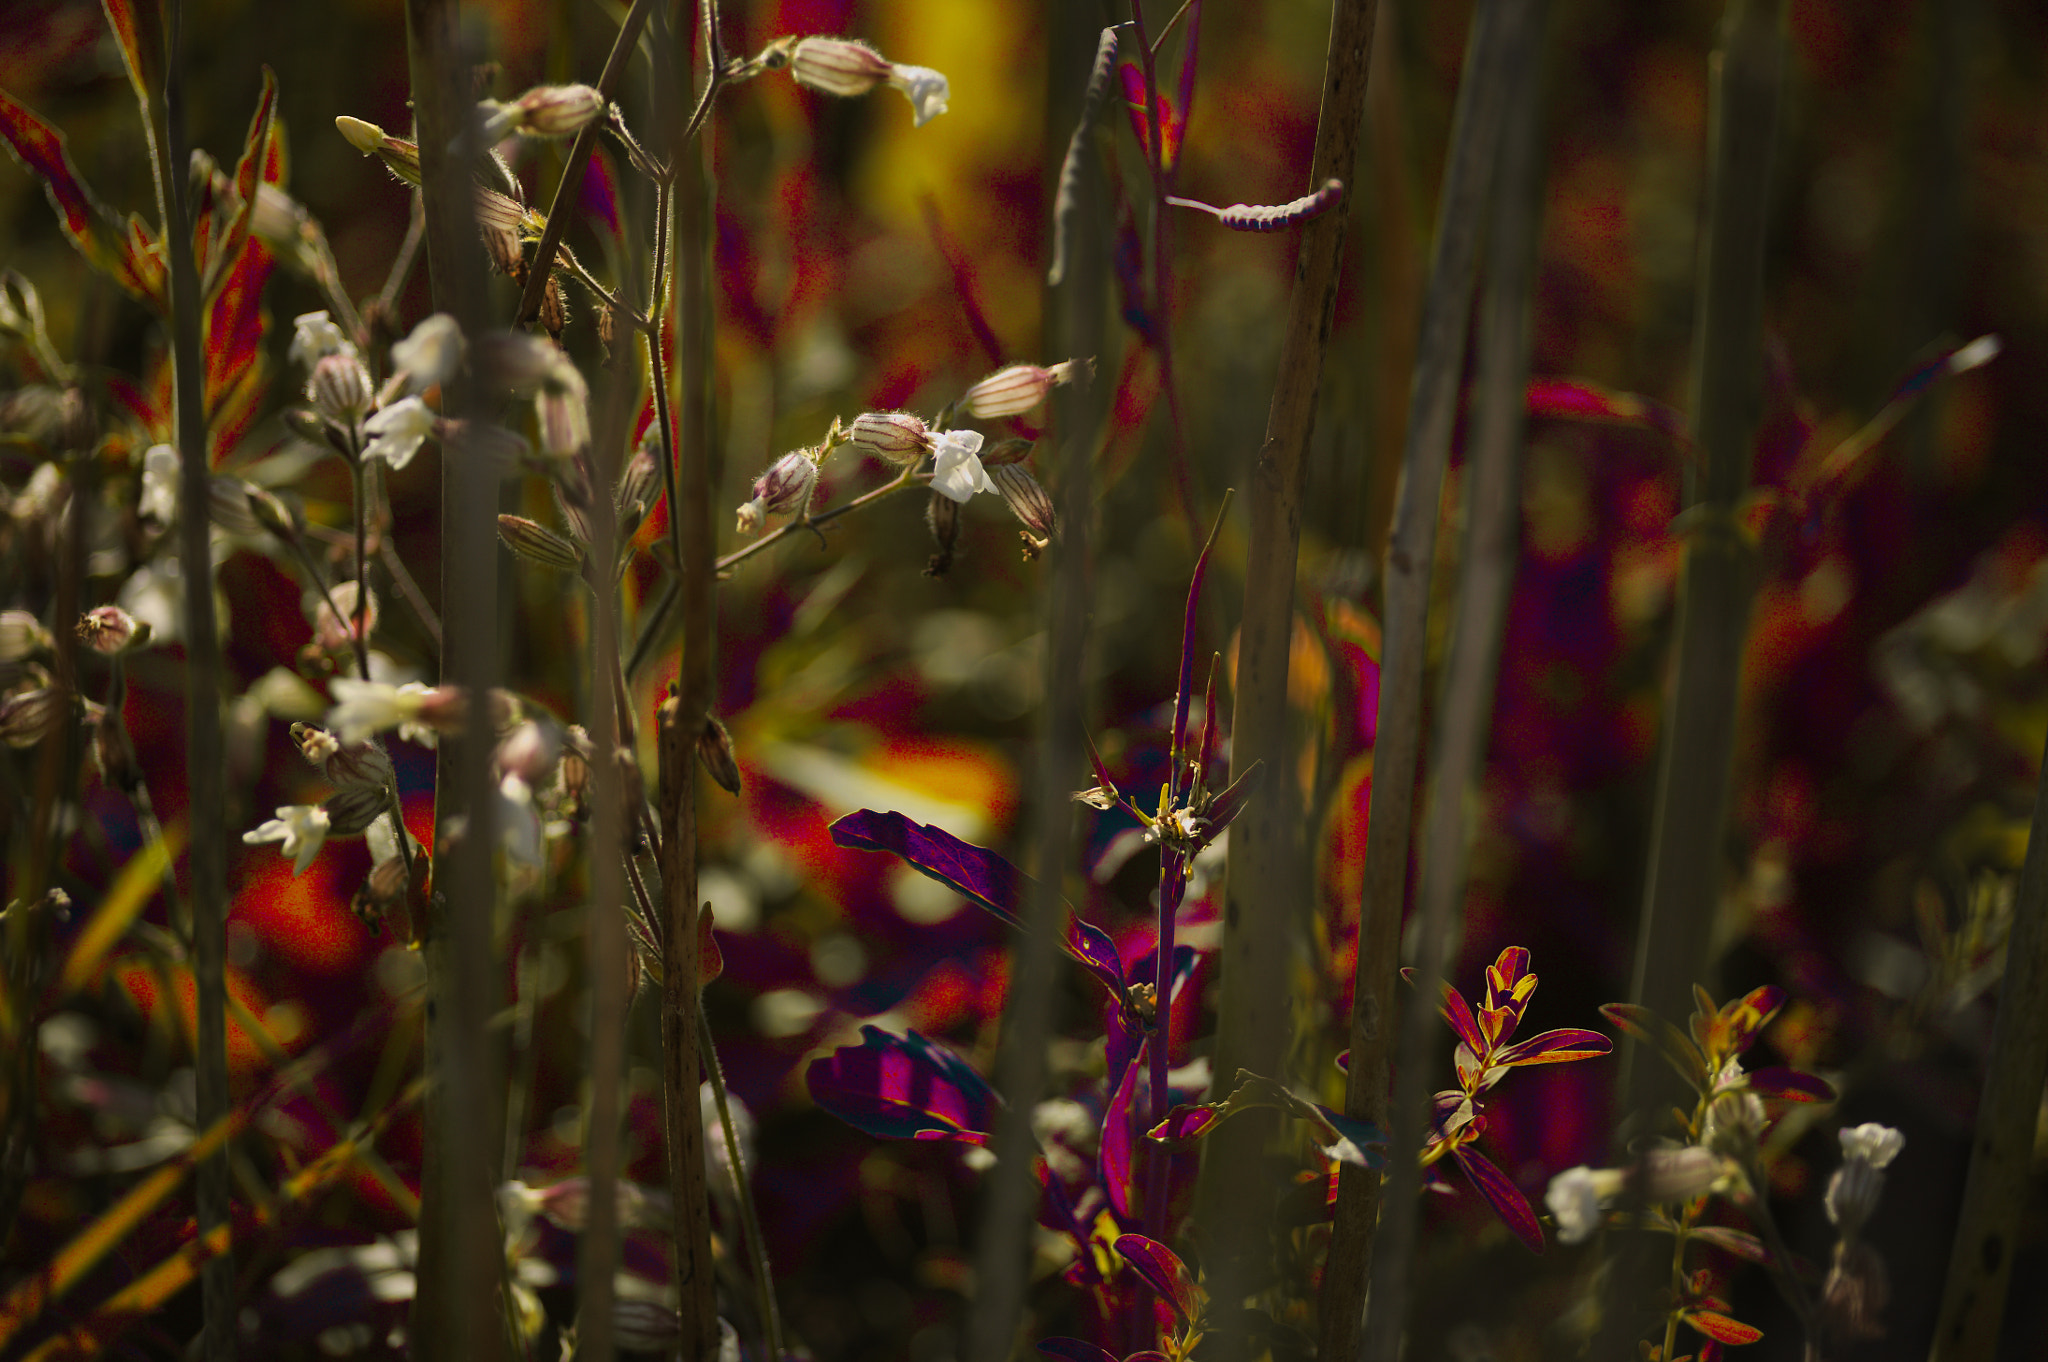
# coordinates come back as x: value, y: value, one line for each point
x: 1260, y: 931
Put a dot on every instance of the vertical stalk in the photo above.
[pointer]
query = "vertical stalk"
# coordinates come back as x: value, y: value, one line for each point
x: 2002, y: 1150
x: 205, y: 757
x: 1432, y: 412
x: 1716, y: 581
x: 682, y: 718
x: 1261, y: 931
x: 1493, y: 477
x: 1074, y: 314
x: 457, y: 1310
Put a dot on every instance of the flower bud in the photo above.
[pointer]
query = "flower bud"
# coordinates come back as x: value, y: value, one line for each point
x: 714, y: 751
x: 639, y: 485
x: 1013, y: 391
x: 228, y: 505
x: 346, y: 764
x: 21, y: 636
x: 340, y: 388
x: 538, y: 544
x: 1026, y: 499
x: 835, y: 66
x: 270, y: 512
x: 942, y: 515
x: 110, y: 630
x: 896, y: 436
x: 352, y: 809
x: 558, y: 110
x: 563, y: 405
x: 26, y: 718
x: 1006, y: 451
x: 785, y: 489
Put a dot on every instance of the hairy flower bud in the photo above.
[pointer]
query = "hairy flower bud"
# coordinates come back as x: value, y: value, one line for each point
x: 110, y: 630
x: 896, y: 436
x: 340, y: 388
x: 836, y: 66
x: 639, y: 485
x: 538, y: 544
x: 942, y: 515
x: 1017, y: 389
x: 785, y: 489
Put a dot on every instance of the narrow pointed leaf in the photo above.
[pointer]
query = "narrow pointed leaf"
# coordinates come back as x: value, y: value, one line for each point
x: 1722, y: 1329
x: 1075, y: 1350
x: 1506, y: 1198
x: 981, y: 875
x: 1561, y: 1046
x: 1646, y: 1025
x: 1224, y: 809
x: 40, y: 147
x: 139, y: 32
x: 1159, y: 1268
x: 1119, y: 1167
x: 903, y: 1088
x: 248, y: 177
x: 1185, y: 86
x: 1068, y: 199
x: 132, y: 891
x: 1741, y: 1243
x: 1182, y: 693
x: 1458, y: 1013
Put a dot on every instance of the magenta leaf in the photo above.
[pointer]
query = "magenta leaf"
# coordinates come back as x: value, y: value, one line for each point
x: 1095, y: 952
x: 1225, y: 808
x: 1186, y: 1123
x: 1458, y: 1013
x: 1506, y: 1198
x: 1790, y: 1085
x: 1076, y: 1350
x: 1119, y: 1171
x: 1556, y: 1047
x: 903, y: 1088
x: 1185, y: 86
x: 1159, y: 1269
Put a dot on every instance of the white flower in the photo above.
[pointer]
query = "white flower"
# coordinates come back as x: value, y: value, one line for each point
x: 398, y: 431
x: 1871, y: 1143
x: 300, y: 827
x: 1575, y: 1197
x: 159, y: 501
x: 956, y: 469
x: 365, y: 707
x: 926, y: 90
x: 430, y: 355
x: 316, y: 338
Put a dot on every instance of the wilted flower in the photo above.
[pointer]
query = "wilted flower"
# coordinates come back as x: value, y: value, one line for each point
x: 956, y: 472
x: 299, y: 828
x: 339, y: 388
x: 398, y: 431
x: 315, y: 337
x: 1017, y: 389
x: 925, y: 88
x: 110, y: 629
x: 785, y: 489
x: 896, y: 436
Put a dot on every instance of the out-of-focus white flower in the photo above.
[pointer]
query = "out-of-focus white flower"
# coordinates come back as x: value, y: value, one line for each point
x: 365, y: 707
x: 925, y: 88
x: 398, y: 431
x: 21, y: 635
x: 300, y: 828
x: 1575, y: 1197
x: 1871, y: 1143
x: 1854, y: 1189
x: 159, y: 501
x: 956, y: 471
x: 430, y: 355
x: 315, y: 337
x: 563, y: 406
x: 383, y: 841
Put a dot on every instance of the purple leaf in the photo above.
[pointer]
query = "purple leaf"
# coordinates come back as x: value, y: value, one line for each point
x: 903, y: 1088
x: 980, y: 874
x: 1148, y: 1355
x: 1556, y: 1047
x: 1119, y: 1170
x: 1790, y: 1085
x: 1182, y: 694
x: 1507, y: 1199
x: 1228, y: 805
x: 1096, y: 953
x: 1075, y: 1350
x: 1186, y: 1123
x: 1159, y: 1269
x: 1458, y: 1013
x: 1186, y: 85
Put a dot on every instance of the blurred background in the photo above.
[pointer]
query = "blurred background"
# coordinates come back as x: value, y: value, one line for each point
x: 1894, y: 700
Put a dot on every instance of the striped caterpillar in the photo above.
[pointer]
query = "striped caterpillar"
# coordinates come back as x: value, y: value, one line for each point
x: 1245, y: 217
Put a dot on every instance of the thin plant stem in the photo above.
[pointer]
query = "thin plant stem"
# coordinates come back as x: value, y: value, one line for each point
x: 402, y: 264
x: 360, y: 633
x: 387, y: 553
x: 206, y: 765
x: 743, y: 1190
x: 1504, y: 41
x: 1236, y: 1211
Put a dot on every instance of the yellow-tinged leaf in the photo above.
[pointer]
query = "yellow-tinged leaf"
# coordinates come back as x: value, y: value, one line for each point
x: 131, y: 893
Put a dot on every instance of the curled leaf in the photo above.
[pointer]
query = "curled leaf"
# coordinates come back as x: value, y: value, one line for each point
x: 904, y: 1087
x: 1159, y: 1268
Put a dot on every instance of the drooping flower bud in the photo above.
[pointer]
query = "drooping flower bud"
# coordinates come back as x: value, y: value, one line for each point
x: 942, y: 515
x: 785, y: 489
x: 896, y: 436
x: 353, y: 808
x: 1026, y: 499
x: 714, y: 751
x: 538, y: 544
x: 639, y: 485
x: 340, y: 388
x: 837, y: 66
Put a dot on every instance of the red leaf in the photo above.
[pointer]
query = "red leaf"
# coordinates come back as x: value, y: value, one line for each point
x: 1556, y: 1047
x: 1791, y: 1085
x: 1458, y: 1013
x: 139, y: 32
x: 248, y: 175
x: 1186, y: 86
x: 40, y: 147
x: 1720, y: 1328
x: 1159, y: 1269
x: 1141, y: 122
x: 1506, y: 1198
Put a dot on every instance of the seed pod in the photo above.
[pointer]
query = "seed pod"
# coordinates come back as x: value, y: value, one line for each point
x: 538, y: 544
x: 896, y: 436
x: 714, y: 750
x: 1026, y: 499
x: 942, y: 514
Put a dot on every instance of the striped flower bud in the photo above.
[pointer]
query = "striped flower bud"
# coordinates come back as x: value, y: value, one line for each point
x: 30, y: 716
x: 896, y: 436
x: 785, y: 489
x: 942, y: 516
x: 345, y: 763
x: 538, y: 544
x: 1026, y: 499
x: 340, y: 388
x: 353, y: 808
x: 558, y: 110
x: 1014, y: 391
x: 835, y: 66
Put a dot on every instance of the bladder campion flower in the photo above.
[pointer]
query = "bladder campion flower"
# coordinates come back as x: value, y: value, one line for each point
x: 956, y: 472
x: 299, y: 829
x: 398, y: 431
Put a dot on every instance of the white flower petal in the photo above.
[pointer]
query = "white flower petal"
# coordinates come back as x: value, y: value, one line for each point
x: 398, y: 431
x: 926, y: 89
